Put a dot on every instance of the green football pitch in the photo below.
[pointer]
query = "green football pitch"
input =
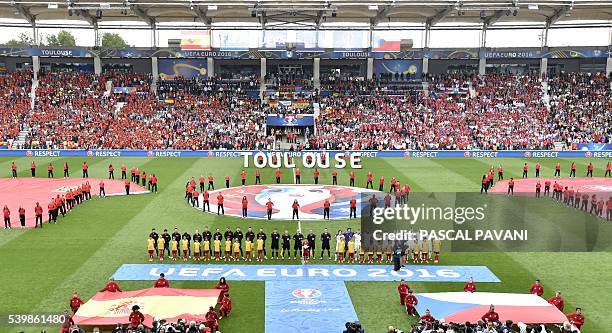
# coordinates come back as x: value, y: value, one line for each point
x: 42, y: 268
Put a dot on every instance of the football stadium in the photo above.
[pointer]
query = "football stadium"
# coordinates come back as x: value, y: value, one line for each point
x: 312, y: 166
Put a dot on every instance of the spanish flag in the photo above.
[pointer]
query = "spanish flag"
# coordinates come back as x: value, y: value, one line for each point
x: 108, y: 308
x: 195, y: 40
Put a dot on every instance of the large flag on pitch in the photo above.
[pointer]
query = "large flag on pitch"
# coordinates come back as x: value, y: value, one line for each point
x: 459, y: 307
x: 107, y: 308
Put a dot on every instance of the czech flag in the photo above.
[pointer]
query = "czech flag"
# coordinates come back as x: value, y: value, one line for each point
x: 108, y: 308
x: 459, y: 307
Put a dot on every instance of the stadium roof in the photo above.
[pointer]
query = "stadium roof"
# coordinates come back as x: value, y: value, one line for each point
x: 310, y: 13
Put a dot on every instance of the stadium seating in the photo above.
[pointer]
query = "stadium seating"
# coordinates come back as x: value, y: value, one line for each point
x: 496, y: 111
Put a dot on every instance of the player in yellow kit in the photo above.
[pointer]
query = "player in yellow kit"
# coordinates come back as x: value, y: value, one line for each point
x: 206, y: 246
x: 361, y: 254
x: 248, y: 246
x: 217, y: 249
x: 160, y: 247
x: 151, y: 247
x: 416, y: 251
x: 436, y: 250
x: 227, y: 255
x: 185, y: 248
x: 260, y: 243
x: 174, y: 249
x: 196, y: 250
x: 351, y: 250
x: 341, y: 248
x: 236, y: 249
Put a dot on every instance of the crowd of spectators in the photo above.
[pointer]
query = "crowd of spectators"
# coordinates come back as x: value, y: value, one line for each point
x: 15, y: 104
x: 495, y: 111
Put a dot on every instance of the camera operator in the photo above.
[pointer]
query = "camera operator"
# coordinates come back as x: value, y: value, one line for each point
x: 353, y: 327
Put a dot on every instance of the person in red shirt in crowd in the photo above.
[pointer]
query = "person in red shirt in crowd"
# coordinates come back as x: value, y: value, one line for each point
x: 227, y: 181
x: 403, y: 289
x: 85, y: 170
x: 257, y: 177
x: 14, y: 169
x: 211, y: 183
x: 296, y: 210
x: 33, y: 169
x: 245, y: 205
x: 269, y: 206
x: 50, y: 170
x: 381, y: 183
x: 127, y: 187
x: 576, y: 318
x: 136, y: 317
x: 411, y: 301
x: 500, y: 173
x: 111, y: 172
x: 558, y: 170
x: 38, y: 212
x: 102, y: 191
x: 511, y: 187
x: 75, y: 302
x: 111, y: 286
x: 326, y: 206
x: 277, y: 174
x: 537, y: 288
x: 195, y: 198
x: 202, y: 183
x: 334, y: 177
x: 220, y: 204
x: 557, y: 301
x: 316, y: 175
x: 427, y: 317
x: 590, y: 170
x: 226, y: 306
x: 123, y: 171
x: 21, y: 212
x: 526, y: 168
x: 211, y: 318
x: 369, y: 181
x: 52, y: 209
x: 491, y: 315
x: 206, y: 201
x: 470, y: 286
x: 224, y: 287
x: 7, y: 217
x: 353, y: 208
x: 154, y: 183
x: 161, y: 282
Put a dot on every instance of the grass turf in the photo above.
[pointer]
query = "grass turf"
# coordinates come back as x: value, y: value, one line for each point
x: 42, y: 268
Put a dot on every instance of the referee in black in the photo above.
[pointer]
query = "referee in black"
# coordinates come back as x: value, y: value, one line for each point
x: 325, y: 239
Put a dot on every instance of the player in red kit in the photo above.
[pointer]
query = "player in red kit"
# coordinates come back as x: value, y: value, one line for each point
x: 211, y: 183
x: 278, y: 176
x: 316, y: 175
x: 75, y: 302
x: 403, y: 289
x: 470, y: 286
x: 298, y: 176
x: 557, y: 301
x: 608, y: 170
x: 269, y: 206
x: 14, y: 169
x: 243, y: 177
x: 411, y: 301
x: 590, y: 170
x: 369, y: 181
x: 526, y: 169
x: 245, y: 205
x: 573, y: 170
x: 206, y: 201
x: 537, y: 288
x: 500, y: 172
x: 558, y: 170
x: 85, y: 168
x: 161, y: 282
x: 511, y: 187
x: 427, y: 317
x: 353, y: 208
x: 21, y: 213
x: 212, y: 319
x: 491, y: 315
x: 296, y: 210
x: 111, y: 286
x: 351, y: 178
x: 257, y: 177
x: 50, y: 170
x: 334, y: 177
x: 33, y: 169
x: 38, y: 212
x: 576, y: 318
x: 102, y: 191
x: 226, y: 306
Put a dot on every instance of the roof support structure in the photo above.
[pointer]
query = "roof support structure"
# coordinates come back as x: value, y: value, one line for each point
x: 381, y: 15
x: 203, y: 16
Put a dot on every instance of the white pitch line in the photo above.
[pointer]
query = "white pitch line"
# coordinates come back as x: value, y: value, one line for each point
x: 299, y: 223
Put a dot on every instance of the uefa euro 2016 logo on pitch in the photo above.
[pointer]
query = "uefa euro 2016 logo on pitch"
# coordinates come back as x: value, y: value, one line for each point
x: 306, y: 293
